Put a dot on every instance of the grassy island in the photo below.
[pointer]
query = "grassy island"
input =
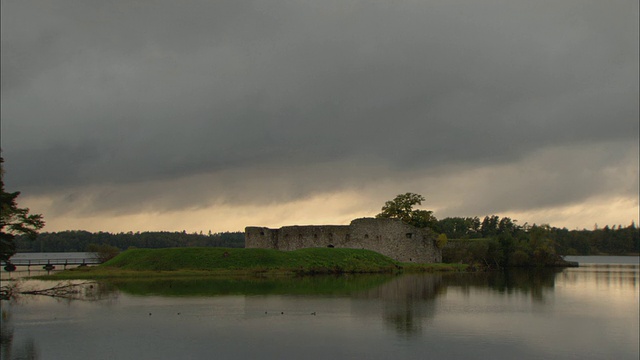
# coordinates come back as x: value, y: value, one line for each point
x: 234, y: 261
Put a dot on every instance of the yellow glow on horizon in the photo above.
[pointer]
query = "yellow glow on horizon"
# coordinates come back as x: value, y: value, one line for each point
x: 336, y: 208
x: 584, y: 215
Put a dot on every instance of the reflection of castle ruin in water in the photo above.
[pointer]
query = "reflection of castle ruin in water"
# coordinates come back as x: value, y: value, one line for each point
x: 408, y: 301
x: 390, y: 237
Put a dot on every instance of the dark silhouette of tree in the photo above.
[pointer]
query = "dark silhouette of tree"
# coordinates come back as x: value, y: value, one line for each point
x: 14, y: 220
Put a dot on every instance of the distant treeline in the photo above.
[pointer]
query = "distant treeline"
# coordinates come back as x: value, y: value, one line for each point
x: 78, y: 240
x: 615, y: 240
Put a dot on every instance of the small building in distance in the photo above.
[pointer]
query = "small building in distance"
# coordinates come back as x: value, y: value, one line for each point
x: 390, y: 237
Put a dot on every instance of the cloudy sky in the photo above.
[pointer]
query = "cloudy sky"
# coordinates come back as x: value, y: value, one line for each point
x: 216, y: 115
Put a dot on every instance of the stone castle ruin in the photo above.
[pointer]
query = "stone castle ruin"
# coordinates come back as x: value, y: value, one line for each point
x: 390, y: 237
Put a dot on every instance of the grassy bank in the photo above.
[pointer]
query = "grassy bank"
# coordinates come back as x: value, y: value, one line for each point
x: 182, y: 262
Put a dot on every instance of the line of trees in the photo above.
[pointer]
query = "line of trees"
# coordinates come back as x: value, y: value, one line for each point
x: 79, y: 240
x: 500, y: 243
x: 504, y: 241
x: 608, y: 240
x: 496, y: 242
x: 614, y: 241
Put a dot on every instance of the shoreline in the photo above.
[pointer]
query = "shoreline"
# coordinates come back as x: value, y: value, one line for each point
x: 106, y: 273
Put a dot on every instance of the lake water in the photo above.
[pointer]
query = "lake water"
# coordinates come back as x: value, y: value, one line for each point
x: 41, y: 258
x: 589, y: 312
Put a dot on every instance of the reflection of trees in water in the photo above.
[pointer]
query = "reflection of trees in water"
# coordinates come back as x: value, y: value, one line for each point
x: 247, y: 285
x: 534, y: 282
x: 8, y: 350
x: 408, y: 301
x: 6, y: 334
x: 621, y: 276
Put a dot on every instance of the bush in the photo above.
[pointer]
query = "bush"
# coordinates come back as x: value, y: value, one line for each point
x: 519, y: 258
x: 103, y: 253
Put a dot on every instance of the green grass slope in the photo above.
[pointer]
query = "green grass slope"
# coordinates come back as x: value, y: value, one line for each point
x: 311, y: 260
x: 234, y: 262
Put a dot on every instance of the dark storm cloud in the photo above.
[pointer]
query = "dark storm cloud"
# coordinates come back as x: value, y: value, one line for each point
x: 308, y: 96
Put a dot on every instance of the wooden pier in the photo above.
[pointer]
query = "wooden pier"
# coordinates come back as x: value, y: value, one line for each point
x: 47, y: 264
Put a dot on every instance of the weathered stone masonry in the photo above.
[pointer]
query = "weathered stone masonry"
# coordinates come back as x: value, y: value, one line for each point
x: 390, y: 237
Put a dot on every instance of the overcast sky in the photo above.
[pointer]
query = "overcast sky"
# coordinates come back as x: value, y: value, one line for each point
x: 216, y: 115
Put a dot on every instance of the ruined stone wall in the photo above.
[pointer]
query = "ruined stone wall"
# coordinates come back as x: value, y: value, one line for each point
x: 260, y: 238
x: 389, y: 237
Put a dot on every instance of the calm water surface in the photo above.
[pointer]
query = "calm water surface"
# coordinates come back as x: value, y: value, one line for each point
x: 589, y: 312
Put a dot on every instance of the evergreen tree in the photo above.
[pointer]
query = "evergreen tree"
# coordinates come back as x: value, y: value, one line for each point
x: 14, y: 220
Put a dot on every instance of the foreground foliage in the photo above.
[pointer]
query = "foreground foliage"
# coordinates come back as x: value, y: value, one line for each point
x: 14, y: 220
